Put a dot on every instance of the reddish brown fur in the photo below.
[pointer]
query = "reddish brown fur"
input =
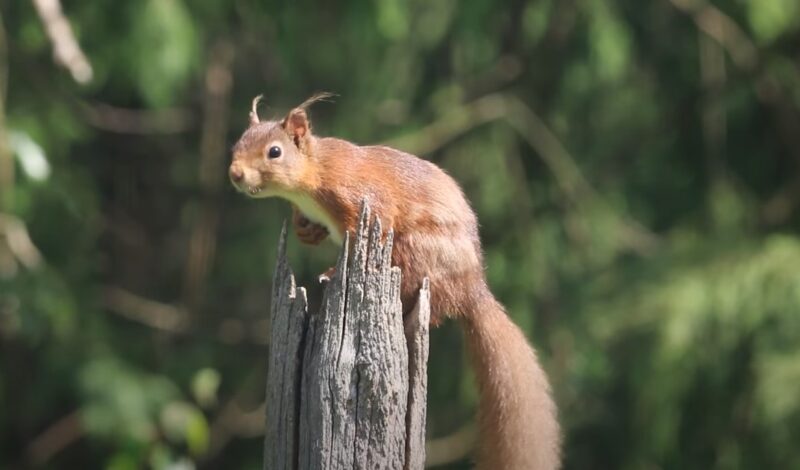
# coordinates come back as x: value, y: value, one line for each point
x: 435, y: 236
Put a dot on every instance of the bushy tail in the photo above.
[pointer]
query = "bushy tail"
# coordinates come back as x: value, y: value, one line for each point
x: 517, y: 416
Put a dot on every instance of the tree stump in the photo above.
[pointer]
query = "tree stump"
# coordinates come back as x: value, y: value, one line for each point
x: 346, y: 387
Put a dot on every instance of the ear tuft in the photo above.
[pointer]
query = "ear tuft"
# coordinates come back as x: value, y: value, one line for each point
x: 254, y: 110
x: 296, y: 123
x: 319, y: 96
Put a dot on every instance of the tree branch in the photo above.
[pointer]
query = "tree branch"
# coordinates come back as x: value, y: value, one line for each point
x: 203, y: 238
x: 156, y: 315
x: 6, y: 160
x: 55, y: 438
x: 66, y: 51
x: 136, y: 121
x: 19, y: 244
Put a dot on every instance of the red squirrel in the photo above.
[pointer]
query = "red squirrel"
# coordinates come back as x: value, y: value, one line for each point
x: 435, y: 236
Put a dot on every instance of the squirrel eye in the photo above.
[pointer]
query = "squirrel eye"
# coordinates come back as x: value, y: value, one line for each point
x: 274, y: 152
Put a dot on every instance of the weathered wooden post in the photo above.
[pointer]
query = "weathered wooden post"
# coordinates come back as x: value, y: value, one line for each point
x: 346, y: 387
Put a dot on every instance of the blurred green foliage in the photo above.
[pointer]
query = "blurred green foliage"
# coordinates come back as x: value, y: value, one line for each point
x: 635, y: 166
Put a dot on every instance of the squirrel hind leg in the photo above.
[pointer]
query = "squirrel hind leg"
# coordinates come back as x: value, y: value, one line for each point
x: 327, y: 275
x: 450, y: 297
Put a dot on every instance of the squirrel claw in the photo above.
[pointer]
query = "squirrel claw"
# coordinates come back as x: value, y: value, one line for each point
x: 327, y: 275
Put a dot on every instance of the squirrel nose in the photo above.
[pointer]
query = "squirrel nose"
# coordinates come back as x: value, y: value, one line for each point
x: 236, y: 173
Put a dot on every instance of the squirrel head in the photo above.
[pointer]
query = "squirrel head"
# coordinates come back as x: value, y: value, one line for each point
x: 275, y: 157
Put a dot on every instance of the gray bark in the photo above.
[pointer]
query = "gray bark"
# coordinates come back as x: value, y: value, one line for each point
x: 346, y: 386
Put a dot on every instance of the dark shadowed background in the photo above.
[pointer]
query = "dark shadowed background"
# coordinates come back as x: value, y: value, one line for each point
x: 635, y: 167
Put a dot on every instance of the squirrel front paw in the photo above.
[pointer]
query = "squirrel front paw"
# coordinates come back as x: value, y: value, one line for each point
x: 307, y: 231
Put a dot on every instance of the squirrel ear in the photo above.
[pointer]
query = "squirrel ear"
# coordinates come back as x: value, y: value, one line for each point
x: 296, y: 125
x: 296, y: 122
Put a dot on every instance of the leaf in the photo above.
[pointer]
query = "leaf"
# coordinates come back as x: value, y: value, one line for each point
x: 121, y: 403
x: 205, y: 384
x: 183, y: 422
x: 771, y: 19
